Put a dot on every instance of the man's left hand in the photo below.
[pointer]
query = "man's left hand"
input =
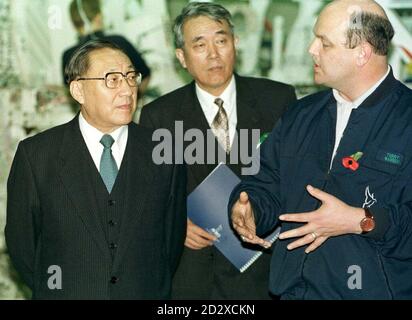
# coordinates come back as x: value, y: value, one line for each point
x: 332, y: 218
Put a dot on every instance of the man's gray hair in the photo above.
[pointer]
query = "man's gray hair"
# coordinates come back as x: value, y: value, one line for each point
x: 79, y: 62
x: 371, y: 28
x: 196, y: 9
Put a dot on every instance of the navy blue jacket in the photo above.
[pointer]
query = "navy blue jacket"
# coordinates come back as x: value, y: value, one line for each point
x: 298, y: 153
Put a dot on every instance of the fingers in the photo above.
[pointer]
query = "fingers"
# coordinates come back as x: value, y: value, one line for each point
x: 243, y: 198
x: 198, y: 231
x: 244, y: 225
x: 255, y: 240
x: 315, y: 244
x: 295, y: 217
x: 298, y: 232
x: 319, y: 194
x: 242, y: 215
x: 197, y: 238
x: 247, y: 234
x: 308, y: 238
x: 243, y: 221
x: 195, y: 244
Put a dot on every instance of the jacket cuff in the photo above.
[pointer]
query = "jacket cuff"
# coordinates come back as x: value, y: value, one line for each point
x: 382, y: 224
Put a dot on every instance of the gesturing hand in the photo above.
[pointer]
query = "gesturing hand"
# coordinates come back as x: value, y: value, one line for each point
x: 333, y: 218
x: 243, y: 221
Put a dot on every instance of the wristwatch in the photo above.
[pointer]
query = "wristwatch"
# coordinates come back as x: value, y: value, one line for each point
x: 367, y: 224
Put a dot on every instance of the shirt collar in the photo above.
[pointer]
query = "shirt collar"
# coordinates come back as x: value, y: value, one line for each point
x: 228, y: 96
x: 363, y: 97
x: 94, y: 135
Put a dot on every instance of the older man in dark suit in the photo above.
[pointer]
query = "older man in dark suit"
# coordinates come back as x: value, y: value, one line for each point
x: 89, y: 214
x: 225, y: 103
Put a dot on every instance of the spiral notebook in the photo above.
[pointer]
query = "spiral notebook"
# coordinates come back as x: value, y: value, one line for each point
x: 207, y: 208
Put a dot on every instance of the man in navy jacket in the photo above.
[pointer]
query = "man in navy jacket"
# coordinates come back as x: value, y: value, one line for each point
x: 336, y: 171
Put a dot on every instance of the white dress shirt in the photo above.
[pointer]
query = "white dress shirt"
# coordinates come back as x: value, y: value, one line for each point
x: 210, y: 109
x: 92, y: 138
x: 344, y: 110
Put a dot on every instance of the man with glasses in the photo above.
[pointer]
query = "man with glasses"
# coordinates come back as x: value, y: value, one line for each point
x: 89, y: 215
x: 87, y: 18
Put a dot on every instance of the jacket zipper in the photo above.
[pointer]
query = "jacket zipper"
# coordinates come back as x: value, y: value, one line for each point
x: 388, y: 288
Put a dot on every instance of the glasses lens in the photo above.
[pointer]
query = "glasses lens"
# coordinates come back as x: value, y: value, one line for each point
x: 133, y: 78
x: 113, y: 80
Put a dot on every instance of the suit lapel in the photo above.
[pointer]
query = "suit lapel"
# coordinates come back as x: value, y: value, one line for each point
x: 76, y: 163
x: 248, y: 117
x: 136, y: 188
x: 193, y: 117
x: 191, y: 112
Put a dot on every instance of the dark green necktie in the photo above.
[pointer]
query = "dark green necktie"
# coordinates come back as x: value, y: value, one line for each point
x: 108, y: 167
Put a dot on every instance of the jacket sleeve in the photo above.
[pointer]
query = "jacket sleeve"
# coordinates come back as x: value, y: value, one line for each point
x: 145, y: 119
x: 176, y: 217
x: 263, y: 188
x: 22, y: 208
x: 393, y: 231
x: 290, y: 97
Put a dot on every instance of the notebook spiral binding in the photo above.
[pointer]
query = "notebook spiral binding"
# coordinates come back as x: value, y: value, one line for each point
x: 259, y: 253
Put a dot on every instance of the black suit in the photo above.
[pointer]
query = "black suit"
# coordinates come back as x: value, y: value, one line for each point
x: 125, y: 245
x: 206, y: 274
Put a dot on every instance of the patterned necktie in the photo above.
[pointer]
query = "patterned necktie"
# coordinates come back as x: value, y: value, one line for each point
x: 220, y: 126
x: 108, y: 167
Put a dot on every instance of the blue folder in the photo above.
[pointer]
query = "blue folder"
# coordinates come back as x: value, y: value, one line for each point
x: 207, y: 208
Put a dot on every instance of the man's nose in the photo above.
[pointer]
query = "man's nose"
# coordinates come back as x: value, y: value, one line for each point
x: 213, y: 51
x: 313, y: 48
x: 126, y: 89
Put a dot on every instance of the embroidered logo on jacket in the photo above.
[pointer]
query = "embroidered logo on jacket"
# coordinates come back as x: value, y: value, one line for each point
x: 390, y: 157
x: 369, y: 199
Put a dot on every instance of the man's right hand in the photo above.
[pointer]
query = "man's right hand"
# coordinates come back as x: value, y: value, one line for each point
x: 243, y: 220
x: 197, y: 238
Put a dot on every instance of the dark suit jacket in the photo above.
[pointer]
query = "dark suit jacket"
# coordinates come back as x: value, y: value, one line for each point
x: 206, y: 274
x: 54, y: 218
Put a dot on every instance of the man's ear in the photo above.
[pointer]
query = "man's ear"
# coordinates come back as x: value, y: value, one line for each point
x: 364, y: 54
x: 76, y: 90
x: 97, y: 21
x: 180, y: 55
x: 236, y: 41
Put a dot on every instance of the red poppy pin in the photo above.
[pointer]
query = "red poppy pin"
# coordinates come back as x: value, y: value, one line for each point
x: 352, y: 161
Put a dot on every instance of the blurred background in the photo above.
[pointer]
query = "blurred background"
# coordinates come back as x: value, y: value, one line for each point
x: 274, y: 37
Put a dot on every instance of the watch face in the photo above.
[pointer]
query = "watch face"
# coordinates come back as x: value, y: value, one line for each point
x: 367, y: 224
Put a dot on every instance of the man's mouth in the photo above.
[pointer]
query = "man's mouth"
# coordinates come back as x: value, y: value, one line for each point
x: 125, y: 106
x: 215, y: 68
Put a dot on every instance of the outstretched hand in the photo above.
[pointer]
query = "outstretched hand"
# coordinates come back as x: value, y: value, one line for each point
x: 243, y: 221
x: 333, y: 218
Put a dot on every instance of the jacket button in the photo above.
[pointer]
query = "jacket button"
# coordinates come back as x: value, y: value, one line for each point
x: 113, y: 246
x: 112, y: 203
x: 114, y: 280
x: 112, y: 223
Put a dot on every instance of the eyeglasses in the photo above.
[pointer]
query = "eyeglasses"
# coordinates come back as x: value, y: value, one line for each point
x: 113, y: 80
